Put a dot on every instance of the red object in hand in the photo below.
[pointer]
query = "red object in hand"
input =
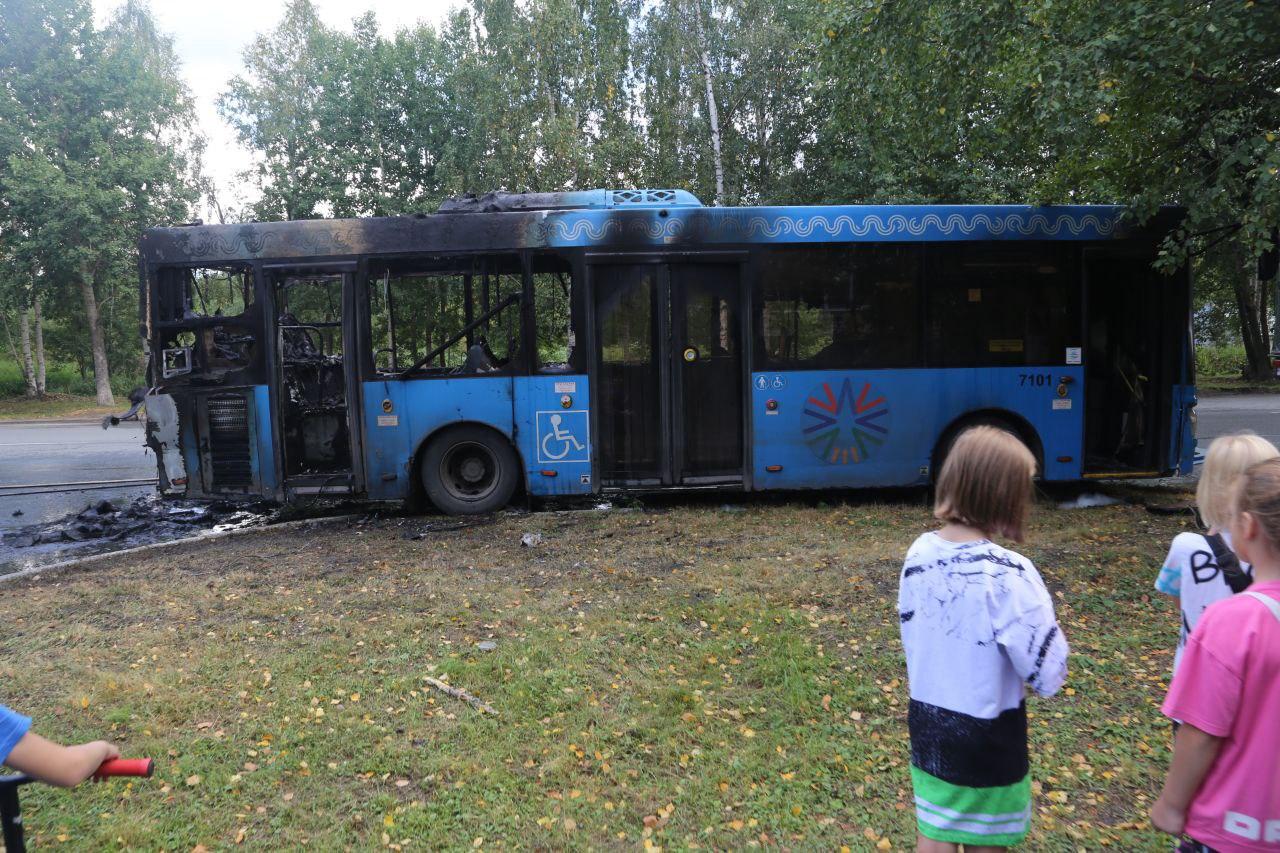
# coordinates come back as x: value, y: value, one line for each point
x: 125, y: 767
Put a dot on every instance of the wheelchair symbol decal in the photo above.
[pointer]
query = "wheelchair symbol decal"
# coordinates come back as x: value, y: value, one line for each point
x: 562, y: 436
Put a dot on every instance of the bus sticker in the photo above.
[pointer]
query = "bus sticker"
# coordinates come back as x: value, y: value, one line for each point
x: 1073, y: 355
x: 1061, y: 405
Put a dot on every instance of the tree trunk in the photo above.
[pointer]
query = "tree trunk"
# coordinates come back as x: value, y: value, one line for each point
x: 13, y: 349
x: 24, y: 330
x: 41, y: 388
x: 713, y: 112
x: 1252, y: 319
x: 97, y: 340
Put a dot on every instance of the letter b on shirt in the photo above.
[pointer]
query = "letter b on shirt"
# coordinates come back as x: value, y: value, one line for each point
x: 1251, y: 828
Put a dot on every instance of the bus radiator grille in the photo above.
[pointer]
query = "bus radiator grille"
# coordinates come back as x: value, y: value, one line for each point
x: 229, y: 442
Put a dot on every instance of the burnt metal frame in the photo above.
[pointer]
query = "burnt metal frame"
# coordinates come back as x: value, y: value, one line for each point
x: 351, y: 272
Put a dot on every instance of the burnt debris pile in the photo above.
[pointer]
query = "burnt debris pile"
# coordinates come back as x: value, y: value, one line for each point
x: 147, y: 519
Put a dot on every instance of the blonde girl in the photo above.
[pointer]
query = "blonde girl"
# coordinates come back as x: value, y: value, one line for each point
x: 1203, y: 568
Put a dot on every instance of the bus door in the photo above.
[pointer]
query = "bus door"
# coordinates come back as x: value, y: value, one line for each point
x: 668, y: 384
x: 316, y: 386
x: 1136, y: 323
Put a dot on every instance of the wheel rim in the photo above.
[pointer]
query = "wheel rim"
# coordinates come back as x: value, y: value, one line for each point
x: 469, y: 471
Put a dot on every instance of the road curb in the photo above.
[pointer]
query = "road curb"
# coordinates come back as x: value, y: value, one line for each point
x: 207, y: 536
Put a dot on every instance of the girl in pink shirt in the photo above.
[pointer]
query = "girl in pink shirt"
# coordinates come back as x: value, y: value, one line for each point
x: 1223, y: 787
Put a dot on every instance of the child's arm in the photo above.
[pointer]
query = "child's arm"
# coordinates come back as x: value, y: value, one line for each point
x: 1028, y: 632
x: 1169, y: 580
x: 1194, y: 752
x: 64, y: 766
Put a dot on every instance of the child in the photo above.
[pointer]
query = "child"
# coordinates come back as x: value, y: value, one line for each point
x: 1202, y: 569
x: 27, y: 752
x: 977, y: 623
x: 1223, y: 787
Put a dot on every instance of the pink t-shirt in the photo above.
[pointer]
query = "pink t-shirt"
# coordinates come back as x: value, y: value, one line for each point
x: 1228, y: 685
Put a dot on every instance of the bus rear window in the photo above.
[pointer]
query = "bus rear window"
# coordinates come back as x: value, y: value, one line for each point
x: 838, y: 307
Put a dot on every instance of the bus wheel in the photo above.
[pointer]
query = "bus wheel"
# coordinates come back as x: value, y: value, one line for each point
x: 469, y: 470
x: 944, y: 446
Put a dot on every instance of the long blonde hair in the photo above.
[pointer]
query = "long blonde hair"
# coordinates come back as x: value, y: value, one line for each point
x: 1229, y: 456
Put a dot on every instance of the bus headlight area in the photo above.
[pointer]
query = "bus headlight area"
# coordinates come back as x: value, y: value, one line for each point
x: 570, y: 344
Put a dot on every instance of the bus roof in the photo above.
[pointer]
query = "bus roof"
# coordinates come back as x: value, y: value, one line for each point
x: 649, y: 219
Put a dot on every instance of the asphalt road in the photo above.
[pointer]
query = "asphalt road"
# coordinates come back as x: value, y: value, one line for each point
x: 1221, y: 415
x: 64, y: 452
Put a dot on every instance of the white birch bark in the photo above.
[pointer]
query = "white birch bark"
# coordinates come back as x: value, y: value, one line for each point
x: 713, y: 112
x: 41, y: 387
x: 24, y: 332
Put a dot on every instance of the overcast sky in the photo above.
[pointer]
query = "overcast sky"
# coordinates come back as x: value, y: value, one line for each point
x: 210, y: 38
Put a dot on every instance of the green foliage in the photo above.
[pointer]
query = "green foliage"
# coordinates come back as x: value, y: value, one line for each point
x: 63, y: 379
x: 1220, y: 361
x: 544, y: 96
x: 1141, y: 102
x: 95, y: 137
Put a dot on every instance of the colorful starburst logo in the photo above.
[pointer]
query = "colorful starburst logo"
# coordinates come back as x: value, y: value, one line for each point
x: 841, y: 428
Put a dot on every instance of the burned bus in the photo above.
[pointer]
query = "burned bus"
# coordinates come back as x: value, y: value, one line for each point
x: 584, y: 342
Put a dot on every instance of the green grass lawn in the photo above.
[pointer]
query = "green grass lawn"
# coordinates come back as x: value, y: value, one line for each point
x: 682, y: 677
x: 55, y: 406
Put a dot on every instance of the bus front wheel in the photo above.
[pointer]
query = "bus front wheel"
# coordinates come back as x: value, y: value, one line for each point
x: 469, y: 470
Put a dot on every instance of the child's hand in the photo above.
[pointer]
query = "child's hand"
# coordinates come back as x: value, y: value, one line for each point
x: 1166, y: 818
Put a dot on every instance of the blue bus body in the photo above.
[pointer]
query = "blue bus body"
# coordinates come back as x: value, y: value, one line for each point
x: 744, y: 406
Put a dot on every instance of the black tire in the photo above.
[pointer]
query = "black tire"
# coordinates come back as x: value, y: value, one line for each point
x: 944, y: 446
x: 469, y: 470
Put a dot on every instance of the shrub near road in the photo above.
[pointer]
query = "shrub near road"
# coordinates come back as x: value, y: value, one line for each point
x: 688, y: 676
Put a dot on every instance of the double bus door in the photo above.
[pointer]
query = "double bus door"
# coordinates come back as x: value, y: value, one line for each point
x: 668, y: 385
x: 317, y: 386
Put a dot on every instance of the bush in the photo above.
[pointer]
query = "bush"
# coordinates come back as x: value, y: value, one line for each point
x: 1220, y: 361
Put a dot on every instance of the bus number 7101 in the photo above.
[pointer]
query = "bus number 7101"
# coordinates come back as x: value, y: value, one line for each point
x: 1039, y: 380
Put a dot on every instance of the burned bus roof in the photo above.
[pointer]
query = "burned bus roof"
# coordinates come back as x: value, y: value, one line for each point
x: 652, y: 224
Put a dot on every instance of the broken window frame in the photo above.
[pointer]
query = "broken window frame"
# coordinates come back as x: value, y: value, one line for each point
x: 482, y: 301
x: 217, y: 344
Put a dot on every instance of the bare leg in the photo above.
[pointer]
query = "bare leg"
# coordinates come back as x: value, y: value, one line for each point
x: 928, y: 845
x: 984, y: 848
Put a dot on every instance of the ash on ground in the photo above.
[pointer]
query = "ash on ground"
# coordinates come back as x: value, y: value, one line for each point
x: 104, y: 526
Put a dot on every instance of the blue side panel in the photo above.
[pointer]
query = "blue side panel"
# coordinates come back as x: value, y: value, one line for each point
x: 1182, y: 440
x: 191, y: 450
x: 262, y: 459
x: 879, y: 427
x: 851, y: 223
x: 399, y: 414
x: 555, y: 440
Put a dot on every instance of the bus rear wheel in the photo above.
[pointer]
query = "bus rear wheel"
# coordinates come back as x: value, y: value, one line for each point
x: 469, y: 470
x: 944, y: 446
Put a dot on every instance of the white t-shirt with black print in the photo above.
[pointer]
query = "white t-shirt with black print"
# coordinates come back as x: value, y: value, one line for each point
x: 1191, y: 573
x: 977, y: 624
